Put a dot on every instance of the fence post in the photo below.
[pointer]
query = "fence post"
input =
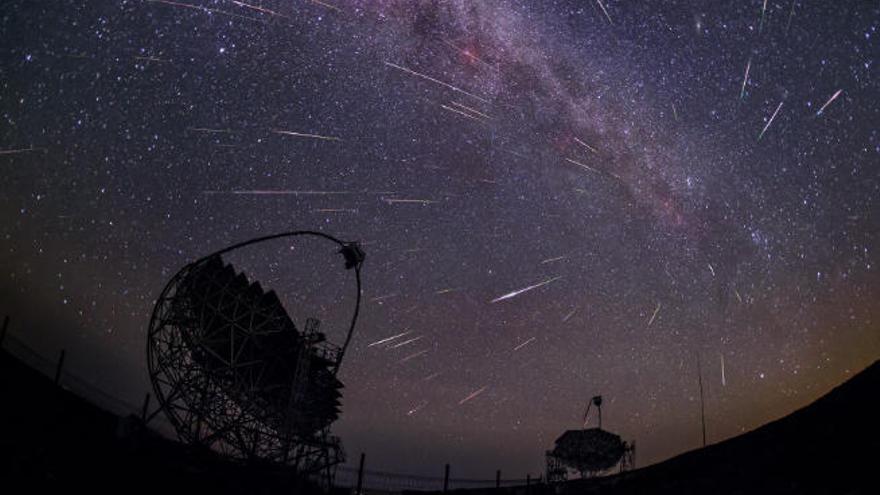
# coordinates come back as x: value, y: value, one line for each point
x: 59, y: 367
x: 360, y: 475
x: 145, y: 407
x: 528, y: 483
x: 3, y: 332
x: 446, y: 479
x: 498, y: 479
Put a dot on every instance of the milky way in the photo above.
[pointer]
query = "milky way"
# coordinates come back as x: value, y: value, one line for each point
x: 695, y: 179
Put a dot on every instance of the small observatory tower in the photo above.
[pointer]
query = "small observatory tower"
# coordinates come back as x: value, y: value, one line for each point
x: 588, y: 452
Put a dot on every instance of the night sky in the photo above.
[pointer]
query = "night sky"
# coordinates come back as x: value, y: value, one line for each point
x: 672, y: 181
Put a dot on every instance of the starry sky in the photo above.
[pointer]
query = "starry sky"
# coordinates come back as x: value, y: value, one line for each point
x: 673, y: 182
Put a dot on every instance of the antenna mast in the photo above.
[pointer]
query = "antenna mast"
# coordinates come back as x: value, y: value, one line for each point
x: 702, y: 404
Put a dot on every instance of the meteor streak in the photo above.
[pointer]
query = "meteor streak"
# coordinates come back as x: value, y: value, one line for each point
x: 386, y: 296
x: 406, y: 342
x: 305, y: 135
x: 435, y: 81
x: 711, y: 269
x: 323, y: 4
x: 472, y: 395
x: 763, y: 11
x: 551, y: 260
x: 833, y: 97
x: 468, y: 54
x: 417, y: 408
x: 769, y: 121
x: 742, y: 92
x: 605, y: 11
x: 520, y: 291
x: 279, y: 192
x: 259, y: 9
x: 471, y: 110
x: 334, y: 210
x: 392, y: 201
x: 527, y: 342
x: 203, y: 9
x: 17, y: 151
x: 210, y: 131
x: 585, y: 145
x: 723, y: 379
x: 389, y: 339
x: 412, y: 356
x: 656, y: 310
x: 569, y: 315
x: 465, y: 114
x: 151, y: 59
x: 586, y: 167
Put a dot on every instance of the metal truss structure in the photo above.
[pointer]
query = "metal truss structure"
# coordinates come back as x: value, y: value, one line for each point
x: 233, y: 373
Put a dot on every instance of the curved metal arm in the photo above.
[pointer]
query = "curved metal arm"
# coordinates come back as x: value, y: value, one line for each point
x: 346, y: 248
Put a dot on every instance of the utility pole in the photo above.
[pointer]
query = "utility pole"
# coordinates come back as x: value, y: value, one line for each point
x: 702, y: 404
x: 3, y: 332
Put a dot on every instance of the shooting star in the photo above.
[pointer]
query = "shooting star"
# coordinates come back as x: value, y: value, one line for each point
x: 833, y: 97
x: 418, y: 408
x: 473, y: 395
x: 389, y: 339
x: 521, y: 291
x: 656, y: 310
x: 471, y: 110
x: 447, y: 291
x: 790, y: 16
x: 386, y: 296
x: 468, y: 54
x: 406, y: 342
x: 742, y: 92
x: 432, y: 376
x: 586, y: 167
x: 551, y: 260
x: 204, y: 9
x: 19, y: 150
x: 763, y: 11
x: 585, y: 145
x: 605, y: 11
x: 711, y: 269
x: 772, y: 117
x: 209, y: 130
x: 278, y: 192
x: 152, y: 59
x: 413, y: 356
x: 334, y: 210
x: 739, y: 297
x: 305, y: 135
x: 324, y: 4
x: 259, y: 9
x: 460, y: 112
x: 527, y: 342
x: 569, y: 315
x: 435, y: 81
x: 392, y: 201
x: 723, y: 379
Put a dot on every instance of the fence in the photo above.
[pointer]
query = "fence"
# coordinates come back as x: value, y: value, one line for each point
x: 356, y: 479
x: 54, y: 368
x: 351, y: 477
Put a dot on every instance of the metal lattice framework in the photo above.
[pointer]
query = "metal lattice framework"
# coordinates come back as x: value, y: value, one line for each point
x: 232, y: 372
x: 588, y: 451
